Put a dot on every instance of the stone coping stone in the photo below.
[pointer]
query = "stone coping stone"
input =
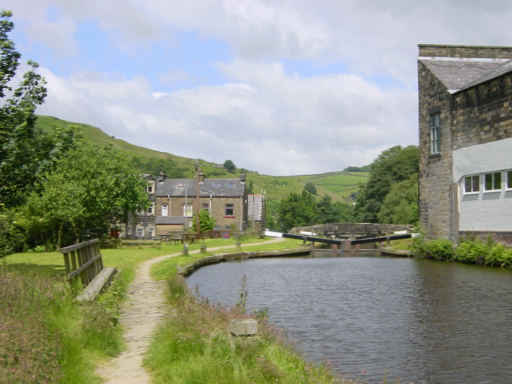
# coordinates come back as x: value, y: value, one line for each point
x: 243, y: 327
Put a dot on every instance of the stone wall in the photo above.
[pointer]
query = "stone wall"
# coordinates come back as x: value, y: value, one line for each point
x: 477, y: 115
x: 468, y: 51
x: 436, y: 190
x: 217, y: 207
x: 482, y: 113
x: 351, y: 230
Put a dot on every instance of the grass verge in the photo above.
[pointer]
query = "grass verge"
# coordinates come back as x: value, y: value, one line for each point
x: 193, y: 345
x: 47, y: 337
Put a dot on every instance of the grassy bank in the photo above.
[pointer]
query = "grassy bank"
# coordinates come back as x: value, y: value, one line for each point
x: 193, y: 345
x: 469, y: 251
x: 45, y: 336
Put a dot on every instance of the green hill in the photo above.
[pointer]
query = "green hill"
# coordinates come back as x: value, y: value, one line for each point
x: 339, y: 185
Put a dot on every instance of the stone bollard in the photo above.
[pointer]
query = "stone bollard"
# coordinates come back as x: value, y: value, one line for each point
x: 203, y: 248
x: 243, y: 327
x: 185, y: 249
x: 238, y: 246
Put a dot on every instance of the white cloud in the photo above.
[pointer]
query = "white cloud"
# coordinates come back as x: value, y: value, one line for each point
x: 262, y: 117
x: 263, y: 120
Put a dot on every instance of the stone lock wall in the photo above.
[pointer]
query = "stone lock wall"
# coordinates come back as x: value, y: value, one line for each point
x: 351, y: 230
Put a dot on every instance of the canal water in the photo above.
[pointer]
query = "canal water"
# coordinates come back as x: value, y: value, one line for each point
x: 372, y: 318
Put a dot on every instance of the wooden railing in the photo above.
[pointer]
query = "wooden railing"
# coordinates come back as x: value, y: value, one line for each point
x: 83, y: 261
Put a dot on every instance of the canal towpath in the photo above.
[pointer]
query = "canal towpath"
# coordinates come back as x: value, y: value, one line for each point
x: 141, y: 312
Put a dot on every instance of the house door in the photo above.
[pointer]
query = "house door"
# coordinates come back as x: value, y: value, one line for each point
x: 165, y: 210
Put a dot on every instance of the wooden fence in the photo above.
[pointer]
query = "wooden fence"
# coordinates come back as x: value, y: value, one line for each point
x: 83, y: 261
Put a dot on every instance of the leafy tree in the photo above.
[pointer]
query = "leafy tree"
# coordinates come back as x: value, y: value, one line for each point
x: 20, y: 150
x: 229, y: 166
x: 329, y: 212
x: 207, y: 223
x: 310, y: 187
x: 393, y: 165
x: 90, y: 191
x: 297, y: 210
x: 401, y: 203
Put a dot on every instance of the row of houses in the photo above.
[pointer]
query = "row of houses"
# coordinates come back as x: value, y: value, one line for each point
x: 465, y: 127
x: 175, y: 202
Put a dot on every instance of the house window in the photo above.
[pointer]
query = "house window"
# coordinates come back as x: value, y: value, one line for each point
x: 140, y: 232
x: 206, y: 206
x: 151, y: 209
x: 187, y: 210
x: 472, y: 184
x: 230, y: 210
x: 165, y: 210
x: 492, y: 181
x: 435, y: 132
x: 509, y: 179
x: 150, y: 188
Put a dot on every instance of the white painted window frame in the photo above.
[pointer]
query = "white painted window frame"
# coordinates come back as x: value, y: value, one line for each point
x: 479, y: 184
x: 485, y: 190
x: 508, y: 176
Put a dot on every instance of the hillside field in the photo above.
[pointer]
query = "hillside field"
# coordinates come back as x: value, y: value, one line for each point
x: 339, y: 185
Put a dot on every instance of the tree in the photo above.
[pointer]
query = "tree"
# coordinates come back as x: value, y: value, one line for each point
x: 329, y: 212
x: 91, y: 190
x: 229, y: 166
x: 21, y: 150
x: 310, y: 187
x: 297, y: 210
x: 207, y: 223
x: 401, y: 203
x: 393, y: 165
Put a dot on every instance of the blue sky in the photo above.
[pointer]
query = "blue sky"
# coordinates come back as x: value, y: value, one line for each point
x: 281, y: 87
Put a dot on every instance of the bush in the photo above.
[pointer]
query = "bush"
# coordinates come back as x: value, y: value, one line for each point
x: 12, y: 237
x: 437, y: 249
x: 472, y: 252
x: 440, y: 249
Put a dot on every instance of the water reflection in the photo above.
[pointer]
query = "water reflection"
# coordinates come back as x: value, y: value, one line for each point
x: 419, y: 321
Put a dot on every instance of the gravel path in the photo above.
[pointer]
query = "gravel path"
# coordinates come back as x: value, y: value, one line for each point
x: 141, y: 312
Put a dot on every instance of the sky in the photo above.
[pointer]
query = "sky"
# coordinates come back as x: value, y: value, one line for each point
x: 282, y: 87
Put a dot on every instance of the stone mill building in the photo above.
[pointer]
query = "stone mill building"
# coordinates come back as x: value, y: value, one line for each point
x: 465, y: 129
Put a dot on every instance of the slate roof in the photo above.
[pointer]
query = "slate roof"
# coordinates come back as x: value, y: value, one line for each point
x: 170, y: 220
x: 214, y: 187
x: 461, y: 73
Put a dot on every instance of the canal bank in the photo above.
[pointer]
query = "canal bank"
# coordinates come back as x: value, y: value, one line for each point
x: 373, y: 317
x: 194, y: 345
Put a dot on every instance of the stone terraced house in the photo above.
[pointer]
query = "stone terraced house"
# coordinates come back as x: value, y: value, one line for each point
x: 173, y: 205
x: 465, y: 132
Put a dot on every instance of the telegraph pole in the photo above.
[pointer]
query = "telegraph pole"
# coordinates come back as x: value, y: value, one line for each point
x: 198, y: 205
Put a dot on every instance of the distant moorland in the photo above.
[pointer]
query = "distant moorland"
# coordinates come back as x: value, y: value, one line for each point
x: 340, y: 186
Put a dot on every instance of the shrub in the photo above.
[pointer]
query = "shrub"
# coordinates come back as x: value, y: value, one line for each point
x: 437, y: 249
x: 440, y: 249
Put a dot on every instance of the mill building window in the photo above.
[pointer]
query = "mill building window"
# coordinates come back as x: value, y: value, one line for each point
x: 492, y: 182
x: 509, y: 179
x: 435, y: 133
x: 472, y: 184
